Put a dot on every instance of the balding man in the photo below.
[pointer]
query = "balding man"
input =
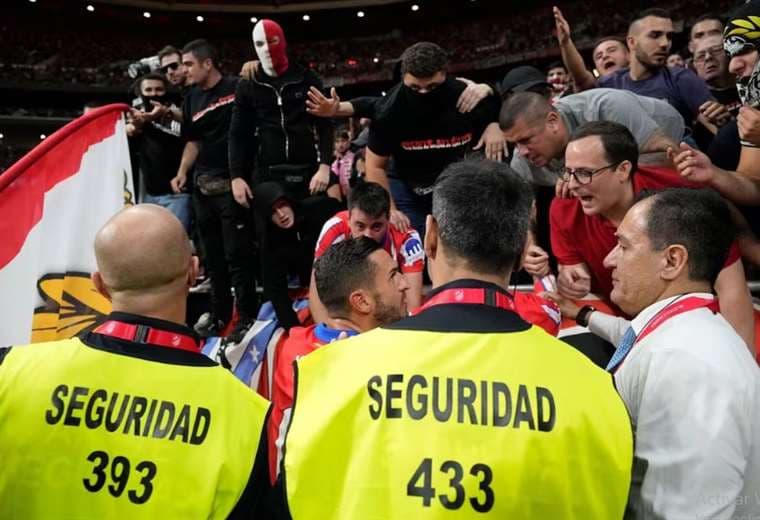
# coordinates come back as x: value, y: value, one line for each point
x: 540, y: 131
x: 120, y: 422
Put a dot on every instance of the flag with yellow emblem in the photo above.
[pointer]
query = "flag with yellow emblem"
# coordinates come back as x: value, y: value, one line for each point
x: 52, y: 202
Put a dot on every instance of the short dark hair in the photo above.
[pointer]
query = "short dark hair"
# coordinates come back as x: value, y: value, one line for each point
x: 342, y: 135
x: 698, y: 219
x: 483, y: 209
x: 423, y: 60
x: 618, y: 142
x: 618, y: 39
x: 531, y: 106
x: 655, y: 12
x: 707, y: 16
x: 152, y: 76
x: 168, y: 51
x: 556, y: 65
x: 202, y: 50
x: 342, y: 269
x: 371, y: 198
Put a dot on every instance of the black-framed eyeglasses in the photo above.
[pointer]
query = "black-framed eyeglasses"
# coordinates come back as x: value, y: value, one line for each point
x: 584, y: 176
x: 170, y: 66
x: 714, y: 52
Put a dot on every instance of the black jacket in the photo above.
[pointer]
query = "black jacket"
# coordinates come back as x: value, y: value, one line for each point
x: 270, y: 125
x: 285, y: 251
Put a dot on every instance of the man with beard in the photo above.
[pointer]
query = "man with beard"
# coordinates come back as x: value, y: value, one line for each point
x: 650, y: 37
x: 609, y: 54
x: 675, y: 60
x: 271, y: 134
x: 742, y: 186
x: 170, y: 63
x: 437, y: 396
x: 362, y: 288
x: 420, y: 127
x: 368, y: 215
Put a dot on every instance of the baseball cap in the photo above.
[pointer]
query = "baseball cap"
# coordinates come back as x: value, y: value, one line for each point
x: 521, y: 79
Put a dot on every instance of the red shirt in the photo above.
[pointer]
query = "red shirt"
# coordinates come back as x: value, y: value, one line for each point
x: 538, y: 311
x: 580, y: 238
x: 405, y: 248
x: 300, y: 342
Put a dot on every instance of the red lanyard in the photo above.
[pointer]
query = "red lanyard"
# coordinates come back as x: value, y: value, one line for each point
x: 469, y: 297
x: 676, y: 308
x: 144, y: 334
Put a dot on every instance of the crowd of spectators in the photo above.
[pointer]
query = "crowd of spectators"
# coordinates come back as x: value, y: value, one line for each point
x: 599, y: 185
x: 97, y: 57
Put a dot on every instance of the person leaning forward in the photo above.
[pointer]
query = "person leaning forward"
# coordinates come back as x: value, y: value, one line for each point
x: 130, y: 420
x: 463, y: 408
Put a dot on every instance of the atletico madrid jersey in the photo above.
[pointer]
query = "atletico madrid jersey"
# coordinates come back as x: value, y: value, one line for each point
x: 405, y: 248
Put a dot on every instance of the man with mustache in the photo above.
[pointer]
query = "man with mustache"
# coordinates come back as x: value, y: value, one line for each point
x: 650, y: 38
x: 362, y: 288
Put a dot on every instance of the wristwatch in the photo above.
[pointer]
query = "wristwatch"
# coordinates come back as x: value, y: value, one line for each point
x: 583, y: 315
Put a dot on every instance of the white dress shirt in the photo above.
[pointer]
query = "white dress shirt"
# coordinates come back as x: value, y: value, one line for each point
x: 693, y: 392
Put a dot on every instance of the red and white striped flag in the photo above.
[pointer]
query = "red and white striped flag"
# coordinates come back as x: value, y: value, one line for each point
x: 52, y: 202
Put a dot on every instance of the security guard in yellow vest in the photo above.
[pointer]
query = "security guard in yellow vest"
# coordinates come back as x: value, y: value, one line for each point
x: 130, y: 420
x: 462, y: 410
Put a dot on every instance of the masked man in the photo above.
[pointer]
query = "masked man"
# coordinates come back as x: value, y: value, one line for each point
x: 272, y: 135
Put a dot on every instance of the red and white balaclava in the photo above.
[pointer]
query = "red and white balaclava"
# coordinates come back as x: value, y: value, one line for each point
x: 272, y: 54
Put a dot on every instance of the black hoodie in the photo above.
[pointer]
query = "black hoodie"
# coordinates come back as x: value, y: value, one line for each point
x: 285, y: 251
x: 270, y: 125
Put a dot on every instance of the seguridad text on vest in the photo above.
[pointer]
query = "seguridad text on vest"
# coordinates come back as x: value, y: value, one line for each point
x: 418, y: 397
x: 140, y: 416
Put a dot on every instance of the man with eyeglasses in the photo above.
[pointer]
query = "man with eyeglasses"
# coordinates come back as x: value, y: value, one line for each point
x: 711, y: 64
x: 541, y: 130
x: 604, y: 176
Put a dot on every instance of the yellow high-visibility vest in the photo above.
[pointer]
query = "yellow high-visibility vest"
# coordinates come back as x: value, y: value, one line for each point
x: 86, y: 433
x: 414, y: 424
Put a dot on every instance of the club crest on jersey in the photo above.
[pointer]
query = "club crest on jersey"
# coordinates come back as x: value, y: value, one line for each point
x: 552, y: 313
x: 413, y: 250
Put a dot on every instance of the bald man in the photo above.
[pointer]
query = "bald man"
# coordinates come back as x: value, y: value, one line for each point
x: 119, y: 423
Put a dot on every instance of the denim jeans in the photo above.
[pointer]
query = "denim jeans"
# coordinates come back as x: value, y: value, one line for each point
x: 177, y: 203
x: 415, y: 207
